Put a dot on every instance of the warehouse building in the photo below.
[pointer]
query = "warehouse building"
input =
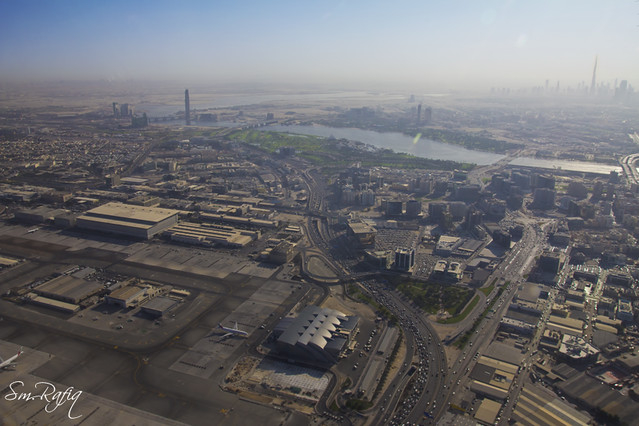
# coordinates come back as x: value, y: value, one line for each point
x: 159, y: 306
x: 129, y: 220
x: 66, y: 288
x: 282, y: 253
x: 211, y: 235
x: 492, y: 378
x: 241, y: 221
x: 537, y: 406
x: 130, y: 296
x: 53, y: 304
x: 37, y: 215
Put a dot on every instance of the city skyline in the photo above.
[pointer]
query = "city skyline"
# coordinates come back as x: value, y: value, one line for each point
x: 441, y: 45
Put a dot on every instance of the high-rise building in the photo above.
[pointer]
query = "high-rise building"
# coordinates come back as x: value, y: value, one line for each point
x: 437, y: 211
x: 404, y: 259
x: 419, y: 113
x: 413, y: 208
x: 428, y: 115
x: 544, y: 198
x: 621, y: 91
x: 187, y: 108
x: 394, y: 208
x: 594, y: 78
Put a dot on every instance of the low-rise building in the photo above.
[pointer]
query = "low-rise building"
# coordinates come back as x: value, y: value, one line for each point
x: 131, y: 295
x: 129, y: 220
x: 574, y: 349
x: 316, y: 334
x: 362, y: 232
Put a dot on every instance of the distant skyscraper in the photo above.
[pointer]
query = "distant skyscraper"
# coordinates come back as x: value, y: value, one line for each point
x: 419, y: 113
x: 428, y: 115
x: 620, y: 92
x: 594, y: 78
x: 187, y: 108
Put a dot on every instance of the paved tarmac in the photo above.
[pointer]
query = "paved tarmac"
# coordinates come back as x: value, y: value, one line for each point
x: 125, y: 375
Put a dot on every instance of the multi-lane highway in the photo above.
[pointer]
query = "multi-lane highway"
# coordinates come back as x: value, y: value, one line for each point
x: 628, y: 165
x: 427, y: 354
x: 422, y: 394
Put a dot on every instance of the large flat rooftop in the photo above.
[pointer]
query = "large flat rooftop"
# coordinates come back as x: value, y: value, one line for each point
x: 131, y: 213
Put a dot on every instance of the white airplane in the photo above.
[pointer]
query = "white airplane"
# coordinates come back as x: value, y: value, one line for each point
x: 9, y: 362
x: 233, y: 331
x: 31, y: 231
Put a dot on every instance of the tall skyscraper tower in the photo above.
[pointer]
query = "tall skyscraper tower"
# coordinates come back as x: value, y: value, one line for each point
x: 187, y: 108
x: 594, y: 78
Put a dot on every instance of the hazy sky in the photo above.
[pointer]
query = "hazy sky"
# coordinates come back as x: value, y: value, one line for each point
x: 425, y: 43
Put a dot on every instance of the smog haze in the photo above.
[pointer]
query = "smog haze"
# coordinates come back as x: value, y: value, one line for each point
x: 431, y: 45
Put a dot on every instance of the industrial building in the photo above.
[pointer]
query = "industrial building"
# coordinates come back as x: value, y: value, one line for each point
x: 591, y: 393
x: 537, y: 406
x: 282, y: 253
x: 66, y: 288
x: 211, y: 235
x: 129, y: 220
x: 244, y: 221
x: 488, y: 411
x: 131, y: 296
x: 492, y: 377
x: 576, y: 349
x: 40, y: 214
x: 159, y: 306
x: 316, y: 334
x: 52, y: 303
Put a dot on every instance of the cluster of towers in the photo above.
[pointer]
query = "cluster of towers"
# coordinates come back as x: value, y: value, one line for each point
x: 122, y: 110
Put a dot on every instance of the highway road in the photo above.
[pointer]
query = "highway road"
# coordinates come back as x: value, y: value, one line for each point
x: 423, y: 396
x: 424, y: 348
x: 397, y: 406
x: 629, y: 168
x: 511, y: 270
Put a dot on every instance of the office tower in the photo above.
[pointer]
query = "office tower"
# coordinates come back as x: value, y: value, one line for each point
x: 394, y: 208
x: 544, y: 198
x: 419, y: 113
x: 594, y: 78
x: 115, y: 109
x: 428, y: 115
x: 404, y: 259
x: 124, y: 110
x: 621, y: 91
x: 187, y: 108
x: 413, y: 208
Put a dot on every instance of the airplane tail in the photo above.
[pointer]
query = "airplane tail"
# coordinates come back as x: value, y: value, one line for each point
x: 20, y: 351
x: 219, y: 324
